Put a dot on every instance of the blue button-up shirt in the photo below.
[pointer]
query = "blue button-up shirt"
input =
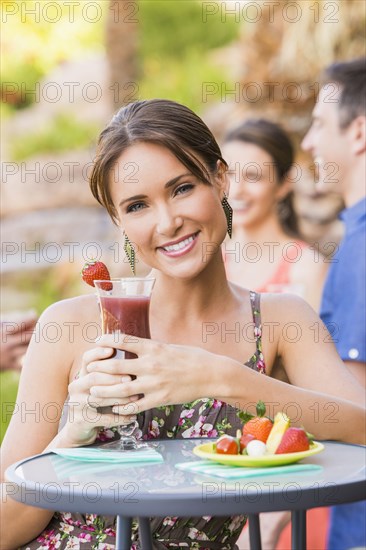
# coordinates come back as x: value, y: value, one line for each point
x: 343, y: 307
x: 343, y: 310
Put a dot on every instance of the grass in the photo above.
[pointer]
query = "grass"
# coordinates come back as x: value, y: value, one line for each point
x: 8, y: 392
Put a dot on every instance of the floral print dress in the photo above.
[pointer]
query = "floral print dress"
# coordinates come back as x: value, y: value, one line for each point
x: 202, y: 418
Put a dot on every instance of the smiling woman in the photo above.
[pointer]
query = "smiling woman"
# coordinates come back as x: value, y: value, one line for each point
x: 212, y: 341
x: 269, y: 253
x: 172, y: 217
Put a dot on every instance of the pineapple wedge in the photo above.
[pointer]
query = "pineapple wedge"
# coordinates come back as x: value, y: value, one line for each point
x: 280, y: 425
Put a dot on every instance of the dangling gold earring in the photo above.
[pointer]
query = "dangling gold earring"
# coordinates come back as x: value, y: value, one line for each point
x: 229, y: 215
x: 130, y: 253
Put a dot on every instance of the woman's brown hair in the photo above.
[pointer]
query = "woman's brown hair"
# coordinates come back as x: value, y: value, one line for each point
x: 158, y: 121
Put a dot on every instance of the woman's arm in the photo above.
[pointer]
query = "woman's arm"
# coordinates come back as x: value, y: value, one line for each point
x: 42, y: 392
x: 54, y: 352
x: 322, y: 395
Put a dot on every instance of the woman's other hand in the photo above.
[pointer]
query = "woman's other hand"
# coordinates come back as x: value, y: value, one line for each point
x: 88, y: 413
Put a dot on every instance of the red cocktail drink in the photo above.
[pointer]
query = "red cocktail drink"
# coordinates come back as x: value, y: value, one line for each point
x: 127, y: 314
x: 124, y: 305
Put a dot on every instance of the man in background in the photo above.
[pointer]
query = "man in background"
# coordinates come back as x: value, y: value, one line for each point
x: 337, y: 142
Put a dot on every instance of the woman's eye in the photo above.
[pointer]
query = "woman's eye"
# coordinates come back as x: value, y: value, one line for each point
x: 184, y: 188
x: 135, y: 207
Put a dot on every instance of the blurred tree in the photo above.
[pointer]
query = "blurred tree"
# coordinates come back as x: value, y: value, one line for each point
x: 157, y: 48
x: 275, y: 65
x: 283, y: 48
x: 122, y: 28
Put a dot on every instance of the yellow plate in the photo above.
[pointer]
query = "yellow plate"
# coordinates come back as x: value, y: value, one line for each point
x: 206, y: 451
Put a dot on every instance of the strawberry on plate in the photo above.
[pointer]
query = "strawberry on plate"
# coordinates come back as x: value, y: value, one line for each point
x: 96, y: 271
x: 259, y: 426
x: 294, y: 440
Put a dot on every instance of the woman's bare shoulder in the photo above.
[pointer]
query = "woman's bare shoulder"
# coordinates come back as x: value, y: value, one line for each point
x: 79, y: 308
x: 285, y: 307
x: 276, y: 305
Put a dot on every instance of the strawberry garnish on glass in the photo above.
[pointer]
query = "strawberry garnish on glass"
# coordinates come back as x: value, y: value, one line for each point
x: 96, y: 271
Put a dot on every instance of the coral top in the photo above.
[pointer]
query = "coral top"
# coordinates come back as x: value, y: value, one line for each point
x: 290, y: 254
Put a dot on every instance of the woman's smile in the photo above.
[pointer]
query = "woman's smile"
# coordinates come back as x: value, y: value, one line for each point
x: 179, y: 247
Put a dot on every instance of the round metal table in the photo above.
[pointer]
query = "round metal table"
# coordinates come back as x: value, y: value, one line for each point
x: 157, y: 490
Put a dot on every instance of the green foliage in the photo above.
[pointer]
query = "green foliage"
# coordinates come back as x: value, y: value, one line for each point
x: 261, y: 408
x: 32, y: 44
x: 175, y: 48
x: 8, y: 392
x: 41, y: 288
x: 244, y: 416
x: 174, y: 30
x: 62, y: 134
x: 48, y: 293
x: 167, y: 79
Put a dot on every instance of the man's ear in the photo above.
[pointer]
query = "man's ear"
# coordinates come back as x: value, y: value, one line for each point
x: 357, y: 133
x: 222, y: 178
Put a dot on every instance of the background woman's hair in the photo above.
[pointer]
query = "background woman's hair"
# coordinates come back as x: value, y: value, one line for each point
x: 158, y: 121
x: 274, y: 140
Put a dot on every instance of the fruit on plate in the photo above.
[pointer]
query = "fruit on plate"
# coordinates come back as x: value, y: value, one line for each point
x: 294, y: 440
x: 94, y: 271
x: 259, y: 426
x: 280, y: 425
x: 256, y: 448
x: 261, y: 436
x: 244, y: 440
x: 227, y: 445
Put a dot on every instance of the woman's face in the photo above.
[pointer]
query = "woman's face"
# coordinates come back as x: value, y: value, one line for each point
x: 254, y: 188
x: 174, y: 221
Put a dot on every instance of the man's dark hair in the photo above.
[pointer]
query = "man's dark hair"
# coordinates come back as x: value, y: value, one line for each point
x: 351, y: 78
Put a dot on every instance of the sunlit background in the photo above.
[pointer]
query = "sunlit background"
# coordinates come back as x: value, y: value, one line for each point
x: 67, y: 66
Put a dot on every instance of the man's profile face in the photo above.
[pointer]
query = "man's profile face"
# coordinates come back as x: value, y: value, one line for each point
x: 327, y: 142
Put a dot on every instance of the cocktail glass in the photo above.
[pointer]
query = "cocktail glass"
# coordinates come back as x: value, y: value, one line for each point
x: 124, y: 305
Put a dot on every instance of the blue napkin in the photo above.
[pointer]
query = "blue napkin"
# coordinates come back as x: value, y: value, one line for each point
x: 98, y: 454
x: 207, y: 467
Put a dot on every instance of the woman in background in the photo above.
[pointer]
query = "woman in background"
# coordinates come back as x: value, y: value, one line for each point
x: 266, y: 252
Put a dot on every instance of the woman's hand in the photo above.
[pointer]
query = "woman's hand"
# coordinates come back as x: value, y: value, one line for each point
x: 163, y: 374
x: 86, y: 412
